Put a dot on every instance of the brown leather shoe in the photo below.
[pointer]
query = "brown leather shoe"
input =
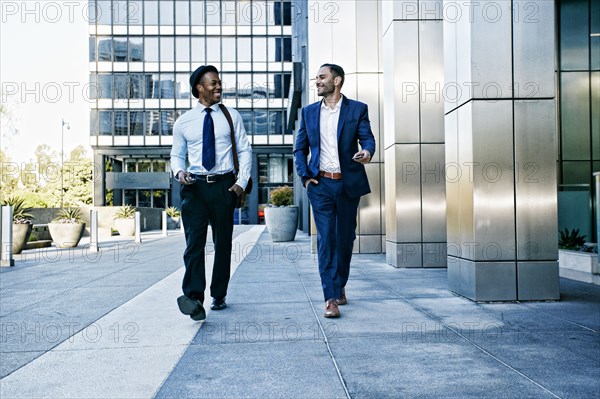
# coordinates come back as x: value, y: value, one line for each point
x: 331, y: 308
x: 342, y: 300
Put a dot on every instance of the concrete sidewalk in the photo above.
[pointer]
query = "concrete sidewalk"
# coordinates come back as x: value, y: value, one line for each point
x: 109, y: 329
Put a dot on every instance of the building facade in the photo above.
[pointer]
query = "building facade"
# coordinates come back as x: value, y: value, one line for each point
x: 141, y: 56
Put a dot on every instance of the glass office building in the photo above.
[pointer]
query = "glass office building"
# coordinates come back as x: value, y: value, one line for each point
x: 141, y: 56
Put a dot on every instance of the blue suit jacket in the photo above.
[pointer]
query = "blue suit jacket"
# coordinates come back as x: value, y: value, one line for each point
x: 353, y: 128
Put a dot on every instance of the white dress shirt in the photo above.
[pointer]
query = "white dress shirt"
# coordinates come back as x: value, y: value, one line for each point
x: 187, y: 141
x: 330, y: 160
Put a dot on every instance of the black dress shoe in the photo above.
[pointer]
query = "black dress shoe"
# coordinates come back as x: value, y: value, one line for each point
x: 191, y: 307
x: 218, y: 304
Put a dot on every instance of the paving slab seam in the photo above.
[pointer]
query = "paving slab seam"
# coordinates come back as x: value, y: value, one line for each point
x: 458, y: 333
x: 560, y: 318
x: 326, y: 341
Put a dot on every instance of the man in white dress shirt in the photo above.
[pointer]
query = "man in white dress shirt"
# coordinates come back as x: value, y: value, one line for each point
x: 209, y: 188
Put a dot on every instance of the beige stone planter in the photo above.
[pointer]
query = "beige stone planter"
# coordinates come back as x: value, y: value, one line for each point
x: 580, y: 261
x: 66, y: 235
x: 126, y: 227
x: 21, y: 233
x: 282, y: 222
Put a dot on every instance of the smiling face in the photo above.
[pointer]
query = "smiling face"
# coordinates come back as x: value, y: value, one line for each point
x: 209, y: 89
x: 326, y: 83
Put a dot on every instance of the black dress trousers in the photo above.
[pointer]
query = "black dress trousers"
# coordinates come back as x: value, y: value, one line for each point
x: 203, y: 203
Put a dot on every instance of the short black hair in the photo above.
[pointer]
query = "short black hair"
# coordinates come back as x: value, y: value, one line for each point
x: 336, y: 70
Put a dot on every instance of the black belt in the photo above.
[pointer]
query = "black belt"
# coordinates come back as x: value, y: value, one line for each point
x: 213, y: 178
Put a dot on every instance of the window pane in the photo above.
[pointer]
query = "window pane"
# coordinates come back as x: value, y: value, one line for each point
x: 135, y: 12
x: 574, y: 35
x: 145, y: 199
x: 92, y: 92
x: 228, y: 13
x: 167, y: 49
x: 259, y: 49
x: 105, y: 123
x: 151, y: 49
x: 182, y: 48
x: 260, y: 122
x: 263, y: 168
x: 596, y: 116
x: 213, y: 50
x: 129, y: 197
x: 166, y: 123
x: 228, y: 49
x: 93, y: 123
x: 151, y: 12
x: 119, y: 12
x: 105, y: 85
x: 228, y: 85
x: 182, y: 86
x: 92, y: 46
x: 120, y: 49
x: 144, y: 166
x: 595, y: 40
x: 136, y: 123
x: 121, y: 85
x: 121, y: 123
x: 575, y: 116
x: 159, y: 199
x: 197, y: 11
x: 159, y: 166
x: 576, y: 172
x: 104, y: 49
x: 182, y: 13
x: 103, y: 12
x: 275, y: 122
x: 136, y: 49
x: 198, y: 50
x: 136, y: 86
x: 153, y: 86
x: 247, y: 118
x: 213, y: 13
x: 166, y: 12
x: 152, y: 123
x: 276, y: 169
x: 130, y: 166
x: 244, y: 49
x: 167, y: 85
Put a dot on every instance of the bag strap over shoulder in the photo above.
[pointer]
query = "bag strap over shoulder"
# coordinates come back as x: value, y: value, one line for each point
x: 236, y: 163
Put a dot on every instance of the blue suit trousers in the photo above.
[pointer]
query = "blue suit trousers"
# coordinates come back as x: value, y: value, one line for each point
x: 335, y: 218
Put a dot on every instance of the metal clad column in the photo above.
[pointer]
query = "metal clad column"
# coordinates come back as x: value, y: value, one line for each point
x: 500, y: 136
x: 414, y: 133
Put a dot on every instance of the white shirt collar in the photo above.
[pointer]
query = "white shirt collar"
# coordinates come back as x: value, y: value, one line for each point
x: 337, y: 105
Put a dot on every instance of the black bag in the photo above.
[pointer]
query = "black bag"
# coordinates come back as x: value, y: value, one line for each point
x: 241, y: 199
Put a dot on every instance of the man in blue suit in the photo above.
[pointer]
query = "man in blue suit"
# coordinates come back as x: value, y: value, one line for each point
x: 334, y: 177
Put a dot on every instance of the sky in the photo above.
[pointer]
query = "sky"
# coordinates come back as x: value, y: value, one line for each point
x: 44, y: 73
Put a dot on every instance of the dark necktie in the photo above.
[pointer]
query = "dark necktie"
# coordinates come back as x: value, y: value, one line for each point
x: 208, y: 141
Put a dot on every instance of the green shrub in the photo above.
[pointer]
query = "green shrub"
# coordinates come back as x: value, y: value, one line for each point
x: 282, y: 196
x: 125, y: 212
x: 20, y: 210
x: 571, y: 240
x: 68, y: 215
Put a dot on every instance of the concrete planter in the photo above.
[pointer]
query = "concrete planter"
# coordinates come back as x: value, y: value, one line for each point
x: 66, y: 235
x: 282, y: 222
x: 173, y: 222
x: 126, y: 227
x: 21, y: 233
x: 580, y: 261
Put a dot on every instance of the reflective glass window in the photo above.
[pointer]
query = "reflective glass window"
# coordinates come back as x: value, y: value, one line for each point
x: 182, y: 86
x: 182, y: 49
x: 159, y: 165
x: 197, y: 11
x: 575, y: 115
x: 92, y: 92
x: 228, y: 49
x: 166, y: 12
x: 261, y: 122
x: 151, y: 48
x: 151, y: 12
x: 167, y: 119
x: 105, y: 85
x: 213, y: 50
x: 130, y: 166
x: 213, y: 13
x: 247, y: 118
x: 152, y: 123
x: 228, y: 13
x: 120, y: 49
x: 136, y: 49
x: 129, y: 197
x: 121, y: 88
x: 159, y: 199
x: 119, y: 12
x: 104, y: 49
x: 136, y: 123
x: 576, y: 172
x: 574, y: 35
x: 121, y: 123
x: 167, y: 49
x: 260, y: 86
x: 135, y: 12
x: 595, y: 31
x: 198, y: 50
x: 105, y: 123
x: 92, y: 47
x: 282, y: 84
x: 276, y: 122
x: 144, y: 166
x: 259, y: 49
x: 282, y: 13
x: 93, y: 122
x: 167, y: 85
x: 144, y: 198
x: 103, y: 12
x: 283, y: 49
x: 152, y: 85
x: 228, y: 85
x: 244, y: 49
x: 182, y: 13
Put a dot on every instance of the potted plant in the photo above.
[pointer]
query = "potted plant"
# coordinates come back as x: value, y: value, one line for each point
x: 281, y: 216
x: 173, y: 215
x: 22, y: 222
x: 67, y: 228
x: 125, y: 220
x: 575, y: 254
